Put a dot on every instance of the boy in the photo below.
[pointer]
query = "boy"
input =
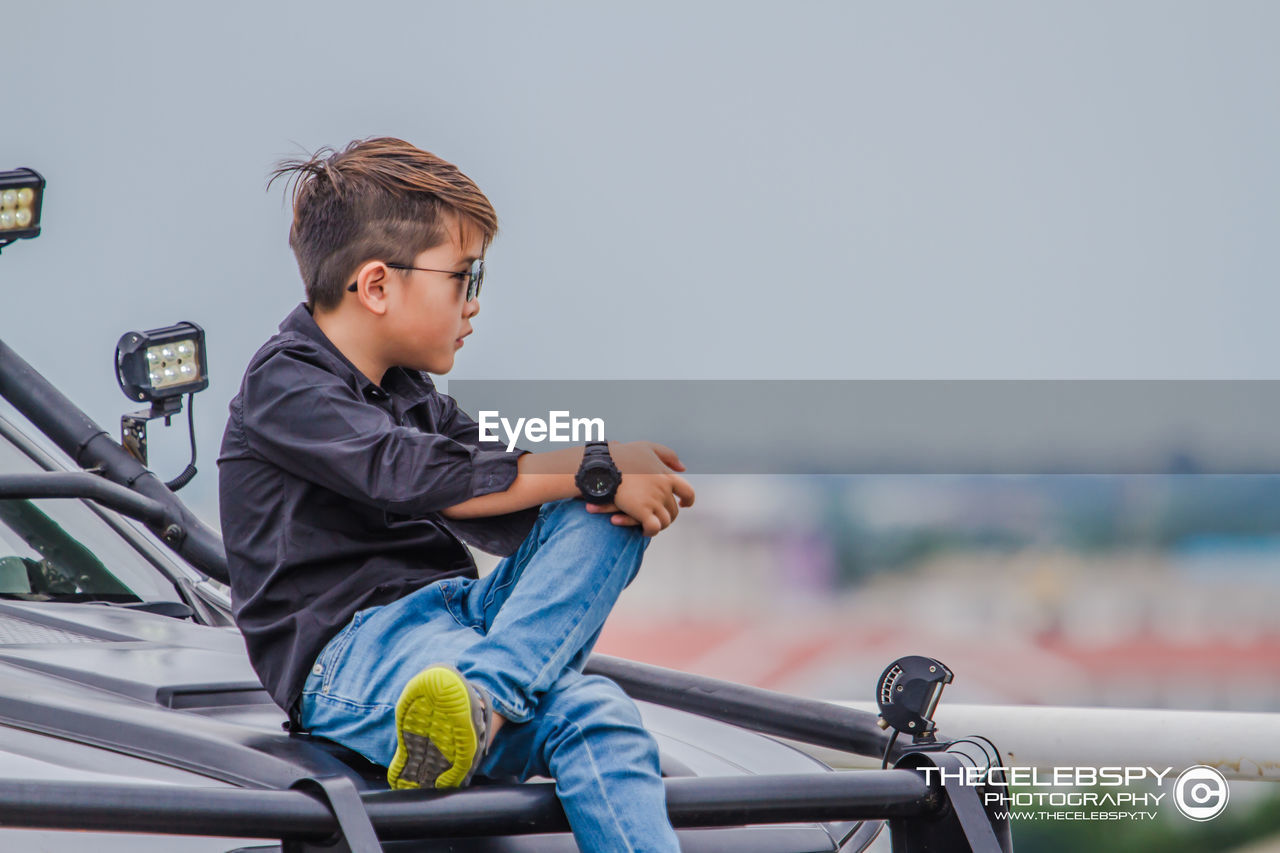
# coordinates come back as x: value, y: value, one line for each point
x: 347, y: 482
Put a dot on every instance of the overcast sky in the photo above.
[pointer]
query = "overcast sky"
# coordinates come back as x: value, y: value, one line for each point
x: 692, y: 190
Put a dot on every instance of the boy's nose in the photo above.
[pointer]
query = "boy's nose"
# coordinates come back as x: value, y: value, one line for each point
x: 472, y: 308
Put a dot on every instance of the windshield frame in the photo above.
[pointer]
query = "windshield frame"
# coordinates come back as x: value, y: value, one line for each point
x: 187, y: 582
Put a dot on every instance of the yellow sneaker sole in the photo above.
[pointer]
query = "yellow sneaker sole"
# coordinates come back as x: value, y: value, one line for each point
x: 436, y: 731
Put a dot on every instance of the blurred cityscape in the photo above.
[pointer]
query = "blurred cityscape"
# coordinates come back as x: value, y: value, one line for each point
x: 1150, y: 591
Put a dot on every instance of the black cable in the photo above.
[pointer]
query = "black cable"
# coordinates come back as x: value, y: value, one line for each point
x: 189, y: 472
x: 889, y: 748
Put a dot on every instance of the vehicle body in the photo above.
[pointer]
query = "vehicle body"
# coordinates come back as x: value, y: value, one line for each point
x: 128, y: 704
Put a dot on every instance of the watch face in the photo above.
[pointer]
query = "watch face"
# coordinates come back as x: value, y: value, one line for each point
x: 598, y: 479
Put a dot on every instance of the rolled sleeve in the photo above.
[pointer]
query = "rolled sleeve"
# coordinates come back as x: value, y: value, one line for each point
x: 494, y: 463
x: 495, y: 466
x: 493, y: 470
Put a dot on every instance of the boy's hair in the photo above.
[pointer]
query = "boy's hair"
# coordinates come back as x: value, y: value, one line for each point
x: 380, y: 199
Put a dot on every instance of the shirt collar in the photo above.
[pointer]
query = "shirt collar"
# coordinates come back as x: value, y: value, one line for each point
x: 411, y: 387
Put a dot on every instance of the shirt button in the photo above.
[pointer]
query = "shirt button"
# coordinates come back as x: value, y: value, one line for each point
x: 317, y: 670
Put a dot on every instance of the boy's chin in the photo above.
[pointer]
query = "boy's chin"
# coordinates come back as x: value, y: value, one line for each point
x: 438, y: 367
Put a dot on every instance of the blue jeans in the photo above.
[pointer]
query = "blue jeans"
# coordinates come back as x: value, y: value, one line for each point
x: 522, y: 634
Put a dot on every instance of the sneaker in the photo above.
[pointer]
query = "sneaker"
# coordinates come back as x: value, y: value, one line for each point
x: 442, y: 729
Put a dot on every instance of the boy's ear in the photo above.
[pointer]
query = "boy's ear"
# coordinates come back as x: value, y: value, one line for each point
x: 372, y: 279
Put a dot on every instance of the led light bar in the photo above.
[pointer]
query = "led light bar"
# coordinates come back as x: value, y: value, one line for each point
x: 162, y: 363
x: 21, y: 194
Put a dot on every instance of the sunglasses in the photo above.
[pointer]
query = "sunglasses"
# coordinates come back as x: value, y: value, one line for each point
x: 474, y: 276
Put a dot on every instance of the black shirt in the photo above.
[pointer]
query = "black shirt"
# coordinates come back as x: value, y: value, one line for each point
x: 330, y: 489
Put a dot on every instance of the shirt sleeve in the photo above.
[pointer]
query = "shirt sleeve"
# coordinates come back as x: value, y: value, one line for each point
x: 308, y: 421
x: 496, y: 534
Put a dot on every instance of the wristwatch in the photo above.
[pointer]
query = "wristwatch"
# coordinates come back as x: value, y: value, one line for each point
x: 598, y: 478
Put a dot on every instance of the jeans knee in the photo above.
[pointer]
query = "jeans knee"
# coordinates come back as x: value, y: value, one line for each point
x: 596, y: 712
x: 569, y: 517
x: 594, y: 698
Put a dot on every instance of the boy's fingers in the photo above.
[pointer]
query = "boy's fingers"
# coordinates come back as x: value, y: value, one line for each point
x: 623, y: 520
x: 664, y: 517
x: 602, y: 508
x: 652, y: 525
x: 684, y: 491
x: 668, y: 456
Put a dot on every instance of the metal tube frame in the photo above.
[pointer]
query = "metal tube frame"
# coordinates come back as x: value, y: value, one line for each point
x: 73, y: 485
x: 508, y: 809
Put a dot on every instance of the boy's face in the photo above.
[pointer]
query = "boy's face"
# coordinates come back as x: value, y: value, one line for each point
x: 427, y: 311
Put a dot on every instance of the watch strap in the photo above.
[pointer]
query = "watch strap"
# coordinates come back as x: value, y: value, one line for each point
x: 595, y: 452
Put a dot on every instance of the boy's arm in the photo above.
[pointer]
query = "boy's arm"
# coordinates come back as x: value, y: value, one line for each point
x: 540, y: 477
x: 650, y: 495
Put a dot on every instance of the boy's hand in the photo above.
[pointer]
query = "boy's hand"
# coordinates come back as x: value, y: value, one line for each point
x: 651, y: 493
